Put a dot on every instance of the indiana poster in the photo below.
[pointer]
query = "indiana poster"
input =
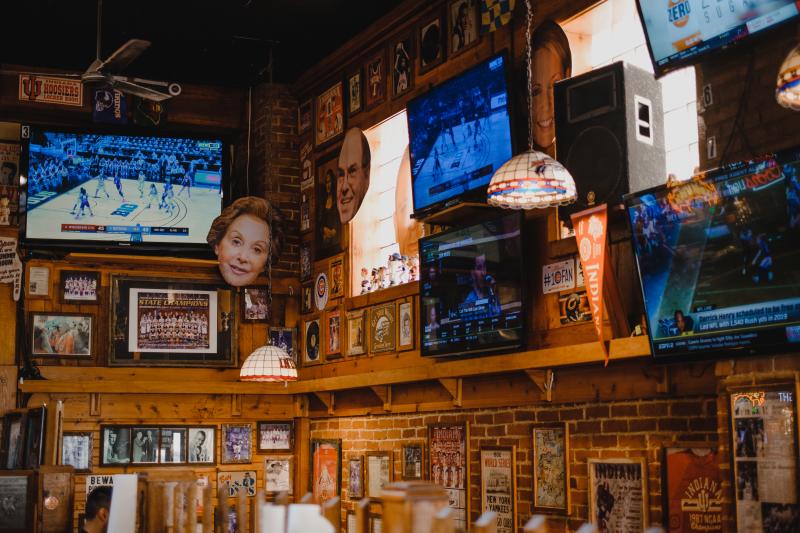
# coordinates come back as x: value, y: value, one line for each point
x: 449, y: 466
x: 617, y: 495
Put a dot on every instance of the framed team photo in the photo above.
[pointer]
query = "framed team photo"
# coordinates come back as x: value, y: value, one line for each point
x: 276, y: 437
x: 462, y: 24
x: 255, y: 304
x: 402, y: 66
x: 333, y: 319
x: 79, y: 287
x: 356, y: 333
x: 330, y: 114
x: 375, y: 80
x: 61, y: 334
x: 237, y: 443
x: 76, y: 450
x: 431, y: 43
x: 354, y: 90
x: 115, y: 445
x: 202, y: 442
x: 285, y: 338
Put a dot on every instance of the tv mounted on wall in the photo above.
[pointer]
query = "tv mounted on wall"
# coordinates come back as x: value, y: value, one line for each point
x: 718, y: 256
x: 459, y: 134
x: 86, y: 189
x: 471, y: 289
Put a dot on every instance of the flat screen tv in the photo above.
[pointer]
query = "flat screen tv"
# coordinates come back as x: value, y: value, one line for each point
x: 718, y: 259
x: 459, y: 133
x: 471, y: 289
x: 680, y: 32
x: 98, y: 190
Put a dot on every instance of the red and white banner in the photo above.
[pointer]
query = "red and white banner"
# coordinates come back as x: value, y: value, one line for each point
x: 590, y: 234
x: 50, y: 90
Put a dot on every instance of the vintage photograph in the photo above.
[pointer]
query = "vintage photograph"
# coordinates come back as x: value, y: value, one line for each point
x: 412, y: 462
x: 285, y: 339
x: 499, y: 485
x: 115, y: 445
x: 14, y: 439
x: 305, y: 212
x: 462, y: 24
x: 16, y: 505
x: 311, y: 353
x: 76, y: 450
x: 38, y: 285
x: 304, y: 116
x: 379, y: 472
x: 448, y: 465
x: 336, y: 278
x: 61, y: 334
x: 402, y: 55
x: 255, y: 304
x: 354, y: 93
x: 201, y: 445
x: 431, y: 49
x: 79, y: 286
x: 278, y: 474
x: 325, y: 468
x: 749, y: 437
x: 355, y: 478
x: 275, y: 436
x: 328, y: 229
x: 330, y: 114
x: 144, y: 445
x: 334, y: 321
x: 306, y: 299
x: 382, y: 328
x: 237, y: 443
x: 172, y: 448
x: 356, y: 340
x: 551, y: 468
x: 375, y: 80
x: 306, y: 261
x: 685, y: 469
x: 238, y: 481
x: 618, y: 495
x: 405, y: 324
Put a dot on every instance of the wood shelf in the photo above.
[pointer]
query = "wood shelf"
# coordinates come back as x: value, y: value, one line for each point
x: 462, y: 213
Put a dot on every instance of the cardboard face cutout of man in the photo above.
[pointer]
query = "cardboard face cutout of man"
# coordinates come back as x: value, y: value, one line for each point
x: 352, y: 181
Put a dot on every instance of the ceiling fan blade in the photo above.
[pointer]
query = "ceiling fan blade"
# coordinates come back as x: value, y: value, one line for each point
x: 139, y: 90
x: 124, y: 55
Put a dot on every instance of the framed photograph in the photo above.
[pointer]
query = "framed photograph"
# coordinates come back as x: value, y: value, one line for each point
x: 499, y: 485
x: 240, y: 481
x: 333, y: 320
x: 462, y: 25
x: 618, y: 494
x: 306, y: 299
x: 328, y: 230
x: 336, y: 277
x: 376, y: 524
x: 413, y: 466
x: 431, y: 43
x: 305, y: 211
x: 325, y: 468
x: 375, y: 78
x: 172, y: 448
x: 402, y: 66
x: 405, y: 325
x: 61, y: 334
x: 285, y: 338
x: 38, y: 285
x: 551, y: 468
x: 18, y: 492
x: 355, y: 478
x: 448, y: 464
x: 330, y: 114
x: 79, y: 287
x: 692, y: 490
x: 14, y: 439
x: 202, y: 445
x: 76, y: 450
x: 354, y: 89
x: 35, y: 427
x: 277, y: 436
x: 306, y: 172
x: 304, y: 116
x: 382, y: 328
x: 237, y: 443
x: 172, y: 323
x: 306, y: 261
x: 255, y: 304
x: 379, y: 472
x: 321, y: 291
x: 312, y: 353
x: 352, y: 523
x: 115, y: 445
x: 278, y: 474
x: 356, y: 326
x: 144, y: 445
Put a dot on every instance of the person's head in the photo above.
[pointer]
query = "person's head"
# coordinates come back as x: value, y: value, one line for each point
x: 247, y: 234
x: 98, y: 506
x: 462, y: 15
x: 8, y: 173
x: 680, y: 321
x: 479, y: 271
x: 432, y: 314
x: 551, y: 61
x: 406, y: 323
x: 199, y: 438
x: 352, y: 181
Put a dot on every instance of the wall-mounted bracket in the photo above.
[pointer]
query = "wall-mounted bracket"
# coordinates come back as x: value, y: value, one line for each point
x: 384, y: 393
x: 329, y: 399
x: 544, y: 381
x: 236, y: 405
x: 454, y: 387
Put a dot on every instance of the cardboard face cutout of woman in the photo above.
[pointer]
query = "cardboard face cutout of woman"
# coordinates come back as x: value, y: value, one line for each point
x: 352, y: 180
x: 247, y: 235
x: 551, y: 61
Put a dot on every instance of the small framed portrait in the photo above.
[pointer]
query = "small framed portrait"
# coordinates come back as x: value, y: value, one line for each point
x: 34, y: 436
x: 379, y: 472
x: 304, y: 116
x: 322, y: 291
x: 402, y: 66
x: 38, y: 285
x: 431, y: 43
x: 462, y: 25
x: 278, y: 474
x: 276, y: 437
x: 306, y: 170
x: 551, y: 468
x: 305, y: 211
x: 76, y: 450
x: 306, y: 299
x: 238, y: 481
x: 306, y: 261
x: 18, y: 501
x: 115, y: 445
x: 61, y: 334
x: 354, y: 85
x: 285, y: 338
x: 255, y: 304
x: 79, y: 287
x: 412, y: 456
x: 172, y: 448
x: 330, y: 114
x: 356, y: 338
x: 14, y: 439
x: 237, y: 443
x: 375, y: 80
x: 333, y: 321
x: 328, y: 230
x: 405, y: 325
x: 144, y: 445
x: 382, y: 328
x: 201, y: 442
x: 336, y: 278
x: 355, y: 478
x: 311, y: 339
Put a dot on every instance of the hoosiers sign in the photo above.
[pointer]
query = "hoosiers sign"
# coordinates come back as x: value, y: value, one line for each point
x: 48, y: 90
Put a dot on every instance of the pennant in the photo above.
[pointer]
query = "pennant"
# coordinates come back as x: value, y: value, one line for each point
x: 109, y: 106
x: 148, y: 112
x: 590, y: 234
x: 495, y: 13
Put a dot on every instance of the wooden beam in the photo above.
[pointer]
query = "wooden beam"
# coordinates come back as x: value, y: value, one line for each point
x: 300, y: 405
x: 327, y: 398
x: 236, y: 405
x: 544, y: 380
x: 94, y: 404
x: 455, y: 387
x: 384, y: 394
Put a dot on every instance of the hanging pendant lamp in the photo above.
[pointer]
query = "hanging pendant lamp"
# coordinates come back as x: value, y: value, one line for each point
x: 787, y: 90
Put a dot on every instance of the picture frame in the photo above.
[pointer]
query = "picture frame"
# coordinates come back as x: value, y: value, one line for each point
x: 255, y: 304
x: 18, y: 487
x: 35, y: 431
x: 413, y: 467
x: 305, y: 117
x: 115, y: 445
x: 306, y: 174
x: 321, y: 291
x: 62, y: 335
x: 550, y: 462
x: 279, y: 474
x: 620, y: 480
x: 462, y: 26
x: 328, y: 229
x: 354, y: 93
x: 145, y: 441
x: 201, y: 441
x: 306, y: 299
x: 173, y: 446
x: 375, y: 524
x: 325, y: 468
x: 306, y: 261
x: 351, y: 522
x: 375, y: 79
x: 333, y: 334
x: 330, y: 118
x: 355, y: 477
x: 336, y: 277
x: 401, y: 55
x: 448, y: 466
x: 431, y: 43
x: 236, y: 446
x: 378, y: 472
x: 356, y: 338
x: 286, y: 339
x: 312, y: 349
x: 686, y: 467
x: 79, y: 287
x: 38, y: 282
x: 238, y: 481
x: 275, y: 436
x: 405, y: 325
x: 203, y: 327
x: 14, y: 427
x: 305, y: 211
x: 382, y: 328
x: 76, y: 450
x: 499, y: 485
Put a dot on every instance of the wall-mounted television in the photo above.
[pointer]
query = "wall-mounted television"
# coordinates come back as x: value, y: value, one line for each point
x: 471, y: 289
x: 718, y: 259
x: 87, y: 189
x: 681, y: 32
x: 459, y: 134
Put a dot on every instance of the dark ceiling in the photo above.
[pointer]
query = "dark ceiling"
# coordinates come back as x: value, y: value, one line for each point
x: 220, y: 42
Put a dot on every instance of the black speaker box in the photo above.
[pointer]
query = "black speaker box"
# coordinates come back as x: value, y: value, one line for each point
x: 609, y: 133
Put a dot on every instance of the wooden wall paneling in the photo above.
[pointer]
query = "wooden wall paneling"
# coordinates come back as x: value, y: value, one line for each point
x: 8, y: 387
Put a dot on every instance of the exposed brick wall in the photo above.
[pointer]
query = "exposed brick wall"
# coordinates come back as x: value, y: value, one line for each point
x: 597, y: 430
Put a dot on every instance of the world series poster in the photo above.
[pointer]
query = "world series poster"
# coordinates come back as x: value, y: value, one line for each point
x: 178, y: 321
x: 498, y: 485
x: 617, y: 495
x: 449, y: 466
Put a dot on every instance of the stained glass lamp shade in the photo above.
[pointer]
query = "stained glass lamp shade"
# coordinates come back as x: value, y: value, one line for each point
x: 268, y: 363
x: 529, y: 180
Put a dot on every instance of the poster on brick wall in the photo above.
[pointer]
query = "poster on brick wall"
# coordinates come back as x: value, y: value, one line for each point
x: 449, y: 466
x: 499, y: 485
x: 618, y: 495
x: 551, y: 468
x: 693, y: 494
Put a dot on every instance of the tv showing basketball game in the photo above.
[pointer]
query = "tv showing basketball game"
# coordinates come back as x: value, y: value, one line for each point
x: 460, y: 133
x: 94, y: 189
x: 718, y: 257
x: 471, y: 288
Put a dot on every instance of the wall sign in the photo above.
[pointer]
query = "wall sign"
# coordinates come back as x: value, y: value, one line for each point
x: 48, y: 90
x: 558, y: 276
